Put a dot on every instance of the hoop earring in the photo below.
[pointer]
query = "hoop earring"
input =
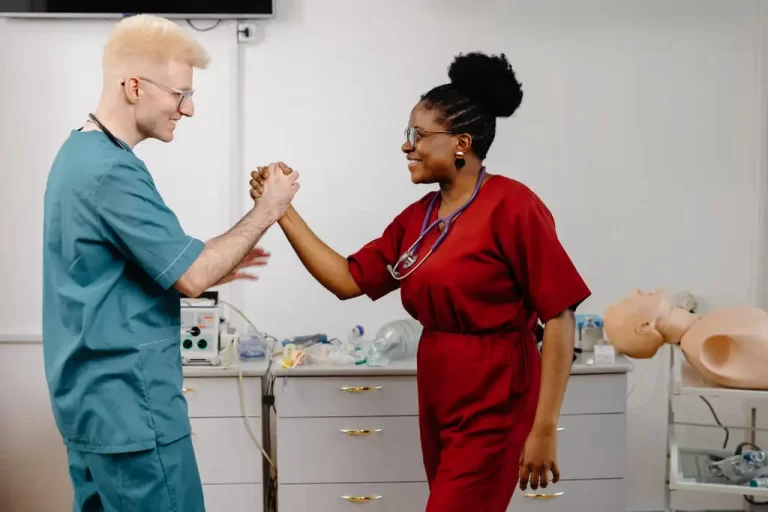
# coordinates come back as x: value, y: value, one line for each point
x: 460, y: 160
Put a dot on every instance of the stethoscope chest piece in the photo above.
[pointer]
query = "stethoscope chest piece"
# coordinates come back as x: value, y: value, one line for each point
x: 409, y: 260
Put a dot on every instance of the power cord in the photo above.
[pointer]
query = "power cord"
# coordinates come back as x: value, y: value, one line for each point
x: 234, y: 352
x: 717, y: 420
x: 218, y: 22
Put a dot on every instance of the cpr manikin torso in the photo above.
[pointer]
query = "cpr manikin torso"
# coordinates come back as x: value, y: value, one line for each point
x: 728, y: 346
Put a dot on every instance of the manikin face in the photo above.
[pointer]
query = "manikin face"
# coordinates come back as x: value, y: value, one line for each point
x: 631, y: 323
x: 164, y: 98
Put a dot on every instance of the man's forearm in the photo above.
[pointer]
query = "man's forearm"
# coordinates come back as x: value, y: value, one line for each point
x: 223, y: 253
x: 556, y: 361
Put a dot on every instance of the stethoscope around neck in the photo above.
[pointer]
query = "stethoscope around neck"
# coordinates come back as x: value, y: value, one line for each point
x: 410, y: 257
x: 108, y: 133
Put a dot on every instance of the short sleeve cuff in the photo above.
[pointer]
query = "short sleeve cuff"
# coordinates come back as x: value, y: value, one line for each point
x: 561, y: 302
x: 372, y: 286
x: 180, y: 264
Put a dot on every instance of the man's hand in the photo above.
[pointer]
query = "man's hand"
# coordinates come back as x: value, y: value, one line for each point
x: 277, y: 191
x: 257, y: 257
x: 260, y: 175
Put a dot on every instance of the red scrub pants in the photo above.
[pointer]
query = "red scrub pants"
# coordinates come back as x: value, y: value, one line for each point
x: 477, y: 402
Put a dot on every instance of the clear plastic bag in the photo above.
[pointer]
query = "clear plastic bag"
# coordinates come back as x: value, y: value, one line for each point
x: 334, y: 352
x: 252, y: 346
x: 395, y: 341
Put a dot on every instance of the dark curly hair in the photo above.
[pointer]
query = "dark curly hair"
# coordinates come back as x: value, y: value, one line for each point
x: 482, y: 88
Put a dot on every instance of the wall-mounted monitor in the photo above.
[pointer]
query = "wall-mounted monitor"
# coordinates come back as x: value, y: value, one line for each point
x: 106, y: 9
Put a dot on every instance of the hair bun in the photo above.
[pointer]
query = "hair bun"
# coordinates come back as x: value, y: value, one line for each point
x: 489, y: 80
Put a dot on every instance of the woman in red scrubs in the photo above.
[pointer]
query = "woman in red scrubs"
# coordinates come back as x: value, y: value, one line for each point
x: 478, y: 282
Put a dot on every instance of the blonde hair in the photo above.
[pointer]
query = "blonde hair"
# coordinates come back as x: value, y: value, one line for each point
x: 151, y: 37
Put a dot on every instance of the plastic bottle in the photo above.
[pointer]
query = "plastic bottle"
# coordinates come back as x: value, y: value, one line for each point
x: 743, y: 468
x: 759, y: 482
x: 590, y: 334
x: 355, y: 335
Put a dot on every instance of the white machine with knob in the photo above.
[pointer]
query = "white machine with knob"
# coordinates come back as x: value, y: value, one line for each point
x: 205, y: 336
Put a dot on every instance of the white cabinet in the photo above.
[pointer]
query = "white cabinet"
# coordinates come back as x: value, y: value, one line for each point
x: 573, y: 496
x: 349, y: 436
x: 348, y: 439
x: 231, y: 466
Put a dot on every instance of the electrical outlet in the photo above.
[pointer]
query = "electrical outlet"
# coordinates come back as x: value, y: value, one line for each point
x: 246, y: 32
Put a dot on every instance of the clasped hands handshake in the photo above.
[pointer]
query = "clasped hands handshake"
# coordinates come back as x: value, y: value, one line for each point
x: 274, y: 190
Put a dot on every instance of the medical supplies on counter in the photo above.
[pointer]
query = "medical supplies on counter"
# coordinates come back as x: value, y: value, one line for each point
x: 395, y: 340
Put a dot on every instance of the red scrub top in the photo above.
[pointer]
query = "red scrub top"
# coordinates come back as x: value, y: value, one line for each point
x: 500, y: 268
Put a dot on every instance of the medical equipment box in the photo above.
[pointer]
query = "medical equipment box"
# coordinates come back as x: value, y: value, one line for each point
x: 200, y: 330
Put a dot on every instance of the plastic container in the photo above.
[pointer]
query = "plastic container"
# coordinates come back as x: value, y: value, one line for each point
x: 252, y: 346
x: 355, y: 335
x: 742, y: 468
x: 590, y: 334
x: 395, y: 341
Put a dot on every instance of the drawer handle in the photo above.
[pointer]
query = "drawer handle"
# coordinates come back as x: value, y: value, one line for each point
x: 359, y: 432
x: 187, y: 390
x: 360, y: 389
x: 547, y: 496
x: 560, y: 429
x: 361, y: 499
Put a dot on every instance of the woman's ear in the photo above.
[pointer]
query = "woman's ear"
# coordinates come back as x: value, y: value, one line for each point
x: 464, y: 143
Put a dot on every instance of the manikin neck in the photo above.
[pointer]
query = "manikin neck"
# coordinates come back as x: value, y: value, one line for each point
x: 675, y: 324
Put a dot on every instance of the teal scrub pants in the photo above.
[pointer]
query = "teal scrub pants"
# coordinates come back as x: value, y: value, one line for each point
x: 162, y: 479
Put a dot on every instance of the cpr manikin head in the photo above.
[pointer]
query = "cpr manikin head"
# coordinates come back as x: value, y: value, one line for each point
x: 148, y: 66
x: 455, y: 123
x: 640, y: 324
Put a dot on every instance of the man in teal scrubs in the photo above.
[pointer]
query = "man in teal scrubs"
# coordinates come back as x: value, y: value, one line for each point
x: 115, y: 263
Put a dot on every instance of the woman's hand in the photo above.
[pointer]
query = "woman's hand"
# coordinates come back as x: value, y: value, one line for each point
x: 260, y: 175
x: 539, y: 457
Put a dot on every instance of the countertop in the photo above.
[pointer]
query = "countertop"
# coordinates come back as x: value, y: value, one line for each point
x: 254, y: 368
x: 582, y: 366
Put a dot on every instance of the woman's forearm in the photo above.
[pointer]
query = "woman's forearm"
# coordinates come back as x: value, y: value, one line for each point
x: 556, y: 361
x: 327, y: 266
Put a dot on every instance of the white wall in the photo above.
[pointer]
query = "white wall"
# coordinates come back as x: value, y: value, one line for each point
x: 642, y: 128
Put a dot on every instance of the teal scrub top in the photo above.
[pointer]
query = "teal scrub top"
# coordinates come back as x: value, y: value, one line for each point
x: 112, y: 251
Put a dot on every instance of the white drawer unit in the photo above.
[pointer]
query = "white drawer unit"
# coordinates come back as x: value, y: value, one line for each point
x: 225, y: 452
x: 393, y: 497
x: 231, y: 466
x: 591, y: 446
x: 220, y: 398
x: 319, y: 397
x: 234, y: 498
x: 363, y: 449
x: 348, y: 439
x: 572, y: 496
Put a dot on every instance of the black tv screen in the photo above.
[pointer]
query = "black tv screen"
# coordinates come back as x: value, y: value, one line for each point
x: 119, y: 8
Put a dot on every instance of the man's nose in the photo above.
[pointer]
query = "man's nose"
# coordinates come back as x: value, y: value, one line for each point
x: 188, y: 108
